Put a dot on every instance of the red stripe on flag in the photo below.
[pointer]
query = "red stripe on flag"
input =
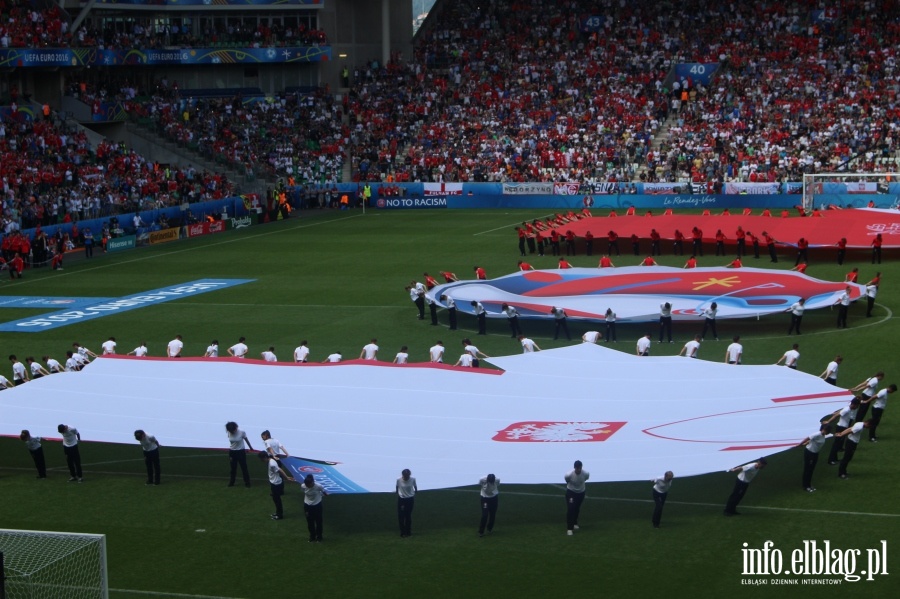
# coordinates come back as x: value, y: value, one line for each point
x: 813, y: 396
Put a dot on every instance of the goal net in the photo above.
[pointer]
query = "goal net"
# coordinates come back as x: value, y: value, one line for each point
x: 38, y: 564
x: 864, y: 186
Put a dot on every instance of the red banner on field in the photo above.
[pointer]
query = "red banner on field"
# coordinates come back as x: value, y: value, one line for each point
x: 205, y: 228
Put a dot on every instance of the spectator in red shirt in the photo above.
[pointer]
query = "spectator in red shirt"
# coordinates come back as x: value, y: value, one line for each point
x: 649, y: 261
x: 480, y: 274
x: 720, y: 243
x: 606, y: 262
x: 741, y: 241
x: 876, y: 249
x: 526, y: 266
x: 430, y: 282
x: 852, y: 276
x: 697, y: 236
x: 613, y: 243
x: 736, y: 263
x: 449, y: 277
x: 563, y: 263
x: 691, y: 262
x: 770, y: 243
x: 678, y: 247
x: 16, y: 266
x: 802, y: 251
x: 842, y: 250
x: 801, y: 268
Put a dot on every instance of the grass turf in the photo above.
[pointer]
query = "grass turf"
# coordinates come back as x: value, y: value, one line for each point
x: 337, y: 280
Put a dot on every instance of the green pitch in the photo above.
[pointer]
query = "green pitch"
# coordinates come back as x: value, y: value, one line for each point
x: 337, y: 280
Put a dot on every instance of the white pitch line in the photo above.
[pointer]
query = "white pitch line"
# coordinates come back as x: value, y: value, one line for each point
x: 168, y: 594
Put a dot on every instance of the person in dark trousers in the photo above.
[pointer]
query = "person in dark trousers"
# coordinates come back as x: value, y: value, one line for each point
x: 276, y: 482
x: 844, y: 417
x: 770, y: 244
x: 661, y: 488
x: 489, y: 496
x: 575, y: 492
x: 710, y: 322
x: 796, y: 310
x: 559, y: 317
x: 842, y: 250
x: 812, y: 445
x: 33, y: 445
x: 611, y: 326
x: 843, y: 304
x: 151, y: 455
x: 878, y: 404
x: 451, y: 310
x: 481, y: 315
x: 70, y: 439
x: 512, y: 317
x: 852, y: 435
x: 313, y: 493
x: 417, y: 295
x: 236, y: 454
x: 406, y: 501
x: 432, y: 310
x: 746, y: 473
x: 665, y: 321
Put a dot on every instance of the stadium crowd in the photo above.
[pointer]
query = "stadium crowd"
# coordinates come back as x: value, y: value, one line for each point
x: 26, y: 24
x: 51, y: 174
x: 509, y: 90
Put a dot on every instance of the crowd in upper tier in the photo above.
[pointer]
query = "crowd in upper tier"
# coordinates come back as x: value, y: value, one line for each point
x: 515, y: 90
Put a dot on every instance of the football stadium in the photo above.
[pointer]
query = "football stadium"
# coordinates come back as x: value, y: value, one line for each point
x: 440, y: 298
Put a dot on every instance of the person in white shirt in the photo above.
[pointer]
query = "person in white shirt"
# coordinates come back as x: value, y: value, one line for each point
x: 866, y: 390
x: 140, y: 351
x: 369, y: 351
x: 70, y: 439
x: 489, y: 496
x: 871, y: 292
x: 53, y: 366
x: 72, y: 364
x: 734, y: 351
x: 528, y: 346
x: 451, y: 310
x: 710, y: 323
x: 831, y: 371
x: 746, y: 473
x: 575, y: 492
x: 402, y: 356
x: 33, y: 445
x: 661, y: 488
x: 150, y: 446
x: 465, y: 360
x: 313, y: 493
x: 236, y: 454
x: 481, y: 315
x: 276, y: 482
x: 560, y: 319
x: 512, y: 317
x: 301, y: 354
x: 406, y: 501
x: 665, y: 321
x: 274, y: 447
x: 591, y: 337
x: 37, y: 369
x: 643, y: 345
x: 333, y: 358
x: 269, y: 355
x: 84, y: 352
x: 796, y: 310
x: 844, y: 417
x: 474, y: 352
x: 109, y: 346
x: 173, y: 350
x: 19, y: 372
x: 611, y: 326
x: 812, y: 446
x: 239, y: 349
x: 843, y: 304
x: 436, y: 353
x: 790, y: 357
x: 691, y: 349
x: 5, y: 383
x: 212, y: 350
x: 879, y: 402
x: 852, y: 435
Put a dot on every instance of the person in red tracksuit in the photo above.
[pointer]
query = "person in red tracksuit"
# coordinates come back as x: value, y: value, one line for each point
x: 613, y: 239
x: 16, y: 266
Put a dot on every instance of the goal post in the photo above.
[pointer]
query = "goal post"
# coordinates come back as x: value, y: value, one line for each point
x: 39, y: 564
x: 861, y: 185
